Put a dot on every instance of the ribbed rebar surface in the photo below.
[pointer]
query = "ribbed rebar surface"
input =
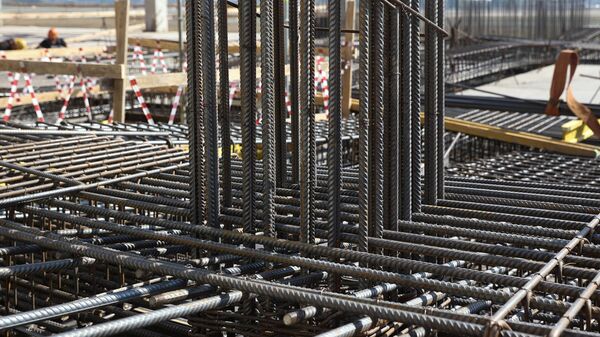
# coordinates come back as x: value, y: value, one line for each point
x: 246, y: 223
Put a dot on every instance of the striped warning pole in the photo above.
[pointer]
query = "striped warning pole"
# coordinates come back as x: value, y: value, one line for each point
x: 233, y: 87
x: 154, y: 60
x: 258, y: 95
x: 86, y: 100
x: 161, y: 58
x: 319, y: 72
x: 58, y: 85
x: 13, y: 92
x: 325, y: 88
x: 111, y: 116
x: 139, y: 55
x: 140, y: 98
x: 34, y: 101
x: 175, y: 105
x: 288, y: 104
x: 63, y: 109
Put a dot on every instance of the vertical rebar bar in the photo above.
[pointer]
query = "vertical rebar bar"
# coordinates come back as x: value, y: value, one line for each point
x: 391, y: 115
x: 376, y: 147
x: 210, y: 111
x: 307, y: 120
x: 224, y: 112
x: 247, y: 22
x: 269, y: 110
x: 294, y: 95
x: 440, y: 101
x: 415, y: 101
x: 280, y: 92
x: 363, y: 124
x: 334, y: 145
x: 195, y: 115
x: 406, y: 156
x: 431, y: 127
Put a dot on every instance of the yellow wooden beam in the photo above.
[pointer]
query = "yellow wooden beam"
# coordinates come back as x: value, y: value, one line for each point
x: 521, y: 138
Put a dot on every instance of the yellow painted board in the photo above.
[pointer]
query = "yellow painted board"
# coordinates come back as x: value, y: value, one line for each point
x: 575, y: 131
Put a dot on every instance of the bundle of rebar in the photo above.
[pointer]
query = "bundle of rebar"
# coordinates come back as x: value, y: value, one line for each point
x: 118, y: 232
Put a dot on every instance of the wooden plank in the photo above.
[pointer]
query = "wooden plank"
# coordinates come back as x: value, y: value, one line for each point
x: 103, y: 33
x: 152, y: 81
x: 114, y: 71
x: 517, y: 137
x: 46, y: 97
x: 157, y: 83
x: 66, y: 15
x: 165, y: 44
x: 576, y: 131
x: 53, y: 52
x: 121, y: 24
x: 347, y: 53
x: 151, y: 43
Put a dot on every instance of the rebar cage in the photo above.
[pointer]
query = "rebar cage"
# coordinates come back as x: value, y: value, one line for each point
x: 121, y: 231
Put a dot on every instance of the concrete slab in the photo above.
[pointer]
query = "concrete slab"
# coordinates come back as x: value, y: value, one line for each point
x: 535, y: 84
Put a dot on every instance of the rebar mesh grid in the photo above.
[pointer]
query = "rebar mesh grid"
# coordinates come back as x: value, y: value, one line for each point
x: 152, y: 240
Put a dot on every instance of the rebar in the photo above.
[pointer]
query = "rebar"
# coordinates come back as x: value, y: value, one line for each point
x: 316, y: 225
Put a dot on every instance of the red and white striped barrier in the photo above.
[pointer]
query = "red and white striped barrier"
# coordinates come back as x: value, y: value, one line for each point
x: 154, y: 60
x: 140, y: 98
x: 63, y: 109
x: 139, y: 55
x: 86, y: 100
x: 175, y: 105
x: 111, y: 116
x: 288, y: 104
x: 34, y: 101
x: 233, y: 87
x: 325, y: 88
x: 161, y: 58
x: 13, y: 92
